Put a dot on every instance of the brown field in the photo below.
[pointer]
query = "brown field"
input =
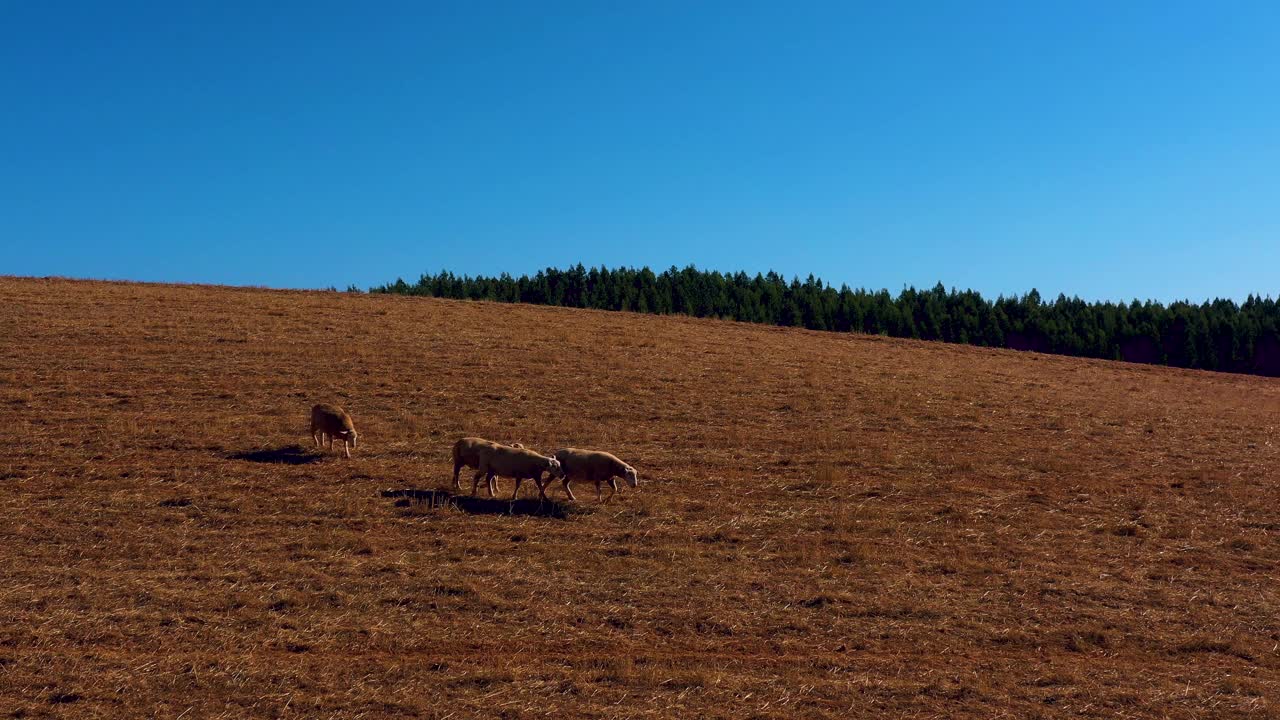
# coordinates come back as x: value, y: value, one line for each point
x: 827, y: 525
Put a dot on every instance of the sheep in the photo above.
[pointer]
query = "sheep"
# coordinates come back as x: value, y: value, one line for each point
x: 593, y: 466
x: 515, y: 463
x: 467, y: 452
x: 333, y: 421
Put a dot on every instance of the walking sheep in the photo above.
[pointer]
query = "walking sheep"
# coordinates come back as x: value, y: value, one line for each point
x: 467, y: 452
x: 515, y: 463
x: 593, y: 466
x: 333, y: 421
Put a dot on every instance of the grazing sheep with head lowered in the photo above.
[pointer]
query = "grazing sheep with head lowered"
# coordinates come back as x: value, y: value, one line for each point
x: 333, y: 421
x: 515, y: 463
x: 467, y: 452
x: 593, y: 466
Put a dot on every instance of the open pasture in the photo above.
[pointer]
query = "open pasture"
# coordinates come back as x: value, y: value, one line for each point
x: 826, y: 525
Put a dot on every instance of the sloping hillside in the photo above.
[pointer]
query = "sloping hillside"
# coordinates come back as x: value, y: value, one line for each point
x: 827, y: 525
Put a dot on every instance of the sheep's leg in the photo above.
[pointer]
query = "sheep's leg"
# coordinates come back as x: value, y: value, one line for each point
x: 346, y: 448
x: 567, y: 491
x: 493, y: 484
x: 613, y: 485
x: 315, y: 437
x: 598, y: 497
x: 457, y: 468
x: 516, y: 493
x: 475, y: 481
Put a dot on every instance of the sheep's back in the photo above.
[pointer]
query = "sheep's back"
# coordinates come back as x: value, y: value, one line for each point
x: 505, y: 460
x: 331, y: 417
x: 468, y: 449
x: 588, y: 462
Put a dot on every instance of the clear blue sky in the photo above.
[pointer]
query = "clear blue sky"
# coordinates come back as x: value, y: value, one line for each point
x: 1106, y: 149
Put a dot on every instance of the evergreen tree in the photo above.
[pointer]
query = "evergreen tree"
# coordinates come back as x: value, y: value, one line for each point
x: 1216, y: 335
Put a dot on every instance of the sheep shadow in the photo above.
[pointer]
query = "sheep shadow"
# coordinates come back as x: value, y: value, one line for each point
x: 472, y: 505
x: 287, y: 455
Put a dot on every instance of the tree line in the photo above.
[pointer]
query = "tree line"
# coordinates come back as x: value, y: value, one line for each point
x: 1217, y: 335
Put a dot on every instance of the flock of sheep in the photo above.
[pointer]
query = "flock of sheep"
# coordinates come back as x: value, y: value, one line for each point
x: 492, y: 460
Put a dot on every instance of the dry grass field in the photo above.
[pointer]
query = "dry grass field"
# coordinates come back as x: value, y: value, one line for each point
x: 827, y: 526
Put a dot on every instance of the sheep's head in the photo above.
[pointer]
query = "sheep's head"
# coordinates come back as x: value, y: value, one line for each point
x: 632, y: 480
x: 348, y: 435
x: 553, y: 466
